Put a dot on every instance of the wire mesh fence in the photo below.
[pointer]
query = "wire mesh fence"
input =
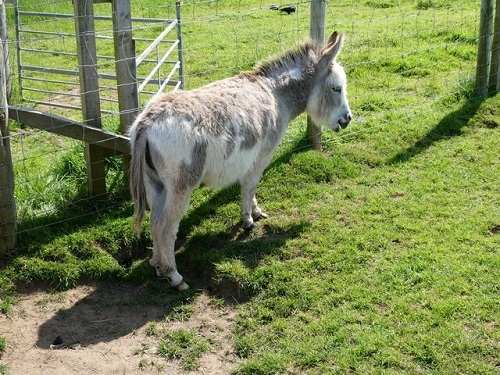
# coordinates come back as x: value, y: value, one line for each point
x: 401, y: 57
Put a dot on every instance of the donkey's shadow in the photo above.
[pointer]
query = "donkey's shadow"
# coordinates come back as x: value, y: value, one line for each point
x: 114, y: 310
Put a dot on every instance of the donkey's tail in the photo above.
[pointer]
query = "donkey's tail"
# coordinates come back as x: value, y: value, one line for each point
x: 138, y: 141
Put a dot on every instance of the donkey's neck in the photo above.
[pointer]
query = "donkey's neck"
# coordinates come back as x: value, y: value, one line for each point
x: 292, y: 90
x: 291, y: 78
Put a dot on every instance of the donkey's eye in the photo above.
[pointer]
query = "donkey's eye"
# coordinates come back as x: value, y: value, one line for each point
x: 337, y: 89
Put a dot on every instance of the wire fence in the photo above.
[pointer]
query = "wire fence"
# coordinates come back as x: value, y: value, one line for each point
x: 415, y: 51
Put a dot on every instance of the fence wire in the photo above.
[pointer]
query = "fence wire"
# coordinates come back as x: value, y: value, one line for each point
x: 394, y: 48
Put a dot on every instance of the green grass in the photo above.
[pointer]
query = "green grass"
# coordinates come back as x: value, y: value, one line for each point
x: 381, y: 253
x: 185, y: 346
x: 3, y: 346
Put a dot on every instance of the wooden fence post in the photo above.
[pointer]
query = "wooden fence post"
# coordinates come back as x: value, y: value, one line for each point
x: 89, y: 91
x: 7, y: 199
x: 484, y: 47
x: 4, y: 36
x: 126, y: 69
x: 317, y: 33
x: 495, y: 54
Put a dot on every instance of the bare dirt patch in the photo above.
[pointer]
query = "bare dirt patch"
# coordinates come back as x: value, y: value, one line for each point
x: 106, y: 329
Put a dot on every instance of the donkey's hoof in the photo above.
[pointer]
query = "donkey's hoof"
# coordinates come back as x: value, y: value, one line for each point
x: 248, y: 225
x: 259, y: 215
x: 159, y: 273
x: 182, y: 286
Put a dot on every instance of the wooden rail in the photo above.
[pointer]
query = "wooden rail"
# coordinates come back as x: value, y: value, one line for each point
x: 115, y: 143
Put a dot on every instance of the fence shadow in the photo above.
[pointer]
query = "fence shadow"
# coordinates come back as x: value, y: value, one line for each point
x: 114, y: 310
x: 450, y: 126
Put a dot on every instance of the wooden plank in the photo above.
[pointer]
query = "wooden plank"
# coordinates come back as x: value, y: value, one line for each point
x: 7, y: 199
x: 126, y: 68
x: 495, y: 54
x: 89, y: 89
x: 484, y: 47
x: 317, y: 33
x: 114, y: 143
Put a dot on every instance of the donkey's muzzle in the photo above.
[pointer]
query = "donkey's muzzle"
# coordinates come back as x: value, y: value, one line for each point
x: 343, y: 122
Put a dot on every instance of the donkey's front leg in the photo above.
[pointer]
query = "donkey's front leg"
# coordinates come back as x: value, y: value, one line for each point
x: 257, y: 212
x: 165, y: 230
x: 250, y: 211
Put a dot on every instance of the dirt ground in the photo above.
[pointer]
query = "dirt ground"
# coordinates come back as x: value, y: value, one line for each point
x: 104, y: 330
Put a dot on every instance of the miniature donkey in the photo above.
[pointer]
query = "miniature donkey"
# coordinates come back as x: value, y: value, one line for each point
x: 225, y: 133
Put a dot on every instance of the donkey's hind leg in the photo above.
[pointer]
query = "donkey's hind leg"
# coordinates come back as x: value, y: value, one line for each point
x: 165, y: 226
x: 257, y: 212
x: 250, y: 210
x: 155, y: 196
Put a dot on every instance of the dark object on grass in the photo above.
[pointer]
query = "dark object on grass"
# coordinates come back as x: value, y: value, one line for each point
x: 57, y: 341
x: 288, y: 9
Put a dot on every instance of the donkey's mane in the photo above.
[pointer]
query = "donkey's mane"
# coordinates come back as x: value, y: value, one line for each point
x: 298, y: 56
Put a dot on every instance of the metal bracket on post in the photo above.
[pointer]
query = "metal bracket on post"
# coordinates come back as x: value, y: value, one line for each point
x: 317, y: 33
x: 89, y: 91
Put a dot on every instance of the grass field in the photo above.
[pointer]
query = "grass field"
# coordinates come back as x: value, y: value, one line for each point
x: 381, y: 254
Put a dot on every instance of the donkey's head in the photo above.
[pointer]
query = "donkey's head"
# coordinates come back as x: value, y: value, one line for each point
x: 328, y: 104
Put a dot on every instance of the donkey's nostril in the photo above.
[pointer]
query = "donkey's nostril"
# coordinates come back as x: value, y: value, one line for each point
x: 349, y: 117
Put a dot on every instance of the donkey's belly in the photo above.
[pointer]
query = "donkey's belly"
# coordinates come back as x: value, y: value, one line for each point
x: 228, y: 171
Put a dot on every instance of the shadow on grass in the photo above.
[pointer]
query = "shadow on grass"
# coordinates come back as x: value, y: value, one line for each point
x: 114, y: 310
x: 78, y: 213
x: 450, y: 126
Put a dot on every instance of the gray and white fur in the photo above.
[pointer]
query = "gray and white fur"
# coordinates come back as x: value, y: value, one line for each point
x: 225, y: 133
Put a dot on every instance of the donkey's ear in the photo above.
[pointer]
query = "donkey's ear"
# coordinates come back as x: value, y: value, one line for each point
x: 330, y: 51
x: 333, y: 46
x: 333, y: 38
